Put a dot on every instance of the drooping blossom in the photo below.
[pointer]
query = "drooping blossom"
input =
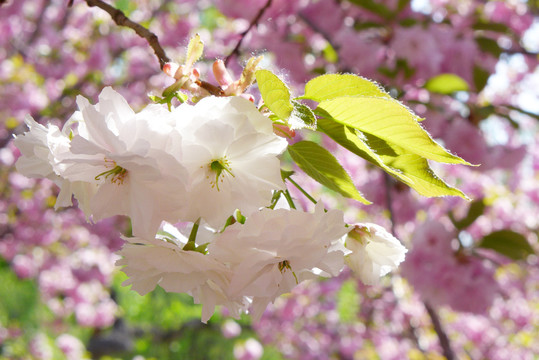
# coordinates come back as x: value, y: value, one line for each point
x: 276, y: 249
x: 375, y: 252
x: 163, y: 261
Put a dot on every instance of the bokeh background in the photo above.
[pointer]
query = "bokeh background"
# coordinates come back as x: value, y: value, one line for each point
x: 469, y: 288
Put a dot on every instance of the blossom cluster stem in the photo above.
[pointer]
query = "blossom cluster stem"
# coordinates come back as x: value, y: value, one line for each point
x: 122, y: 20
x: 442, y: 336
x: 301, y: 189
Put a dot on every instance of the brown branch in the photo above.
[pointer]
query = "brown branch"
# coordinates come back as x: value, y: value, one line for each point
x: 442, y: 336
x: 255, y: 21
x: 122, y: 20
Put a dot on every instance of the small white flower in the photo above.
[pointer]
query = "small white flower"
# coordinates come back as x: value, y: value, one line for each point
x: 231, y: 153
x: 40, y: 147
x: 375, y: 252
x: 162, y: 261
x: 276, y: 249
x: 131, y: 159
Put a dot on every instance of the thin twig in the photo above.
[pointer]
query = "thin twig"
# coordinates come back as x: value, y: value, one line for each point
x: 122, y: 20
x: 442, y: 336
x: 255, y: 21
x: 389, y: 203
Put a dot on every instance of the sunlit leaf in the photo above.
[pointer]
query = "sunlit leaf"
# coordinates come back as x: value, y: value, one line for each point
x: 411, y: 169
x: 332, y: 86
x: 322, y: 166
x: 194, y: 50
x: 275, y: 93
x: 446, y: 84
x: 388, y: 120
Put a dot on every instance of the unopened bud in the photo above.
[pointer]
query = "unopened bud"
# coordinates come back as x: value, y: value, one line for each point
x: 249, y: 97
x: 170, y: 68
x: 283, y: 131
x: 195, y: 74
x: 221, y: 73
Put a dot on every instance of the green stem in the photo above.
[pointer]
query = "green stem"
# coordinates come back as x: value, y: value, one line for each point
x: 194, y: 231
x: 289, y: 199
x: 301, y: 189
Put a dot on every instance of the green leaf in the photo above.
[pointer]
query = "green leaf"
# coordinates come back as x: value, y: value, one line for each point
x: 275, y: 93
x: 374, y: 7
x: 480, y: 77
x: 411, y: 169
x: 349, y: 139
x: 332, y: 86
x: 302, y: 117
x: 330, y: 54
x: 388, y: 120
x: 194, y: 50
x: 508, y: 243
x: 446, y: 84
x: 322, y: 166
x: 489, y: 45
x: 477, y: 208
x: 491, y: 26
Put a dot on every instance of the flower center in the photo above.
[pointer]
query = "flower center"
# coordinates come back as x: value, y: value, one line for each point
x: 220, y: 168
x: 283, y: 265
x: 116, y: 175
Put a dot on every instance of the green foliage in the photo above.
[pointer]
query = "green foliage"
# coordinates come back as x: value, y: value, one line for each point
x: 477, y: 208
x: 508, y: 243
x: 332, y: 86
x: 446, y: 84
x: 480, y: 78
x: 322, y: 166
x: 411, y: 169
x: 275, y: 94
x: 388, y: 120
x: 375, y: 7
x: 304, y: 114
x: 489, y: 45
x: 20, y: 298
x: 348, y: 302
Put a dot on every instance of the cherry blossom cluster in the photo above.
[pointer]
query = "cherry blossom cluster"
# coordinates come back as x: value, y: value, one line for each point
x: 50, y: 59
x: 215, y: 164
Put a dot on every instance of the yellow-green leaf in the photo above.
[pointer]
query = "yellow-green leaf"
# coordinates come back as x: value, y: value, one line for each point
x: 322, y: 166
x: 194, y: 50
x: 446, y: 84
x: 332, y: 86
x: 275, y: 93
x: 411, y: 169
x: 388, y: 120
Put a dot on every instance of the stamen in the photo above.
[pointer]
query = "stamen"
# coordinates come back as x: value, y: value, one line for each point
x: 116, y: 175
x: 283, y: 265
x: 218, y: 166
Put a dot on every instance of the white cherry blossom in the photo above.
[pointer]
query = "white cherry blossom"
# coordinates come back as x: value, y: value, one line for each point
x: 162, y: 261
x: 276, y: 249
x: 131, y: 158
x: 40, y: 148
x: 375, y: 252
x: 231, y: 154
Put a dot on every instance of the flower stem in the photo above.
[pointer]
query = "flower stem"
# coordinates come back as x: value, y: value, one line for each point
x: 301, y: 189
x: 193, y: 234
x: 289, y: 199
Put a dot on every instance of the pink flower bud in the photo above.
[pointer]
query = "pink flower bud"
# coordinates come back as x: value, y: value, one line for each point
x: 170, y: 69
x: 249, y: 97
x: 221, y: 74
x: 283, y: 131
